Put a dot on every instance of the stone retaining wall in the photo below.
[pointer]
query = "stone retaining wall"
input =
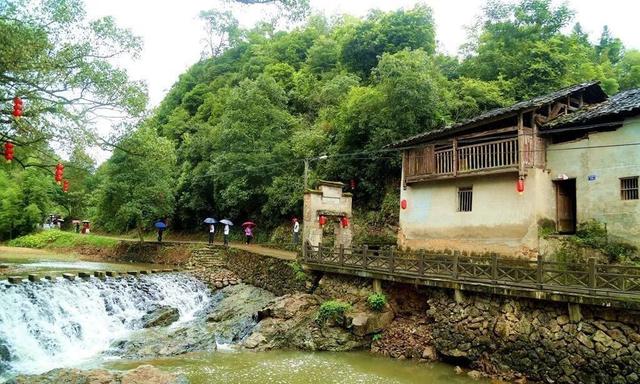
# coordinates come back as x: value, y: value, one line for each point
x: 537, y: 338
x: 275, y: 275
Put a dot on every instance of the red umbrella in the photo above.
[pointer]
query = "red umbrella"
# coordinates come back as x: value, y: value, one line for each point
x: 249, y: 224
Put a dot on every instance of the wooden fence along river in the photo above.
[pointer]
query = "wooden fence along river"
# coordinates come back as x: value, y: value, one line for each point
x: 593, y: 283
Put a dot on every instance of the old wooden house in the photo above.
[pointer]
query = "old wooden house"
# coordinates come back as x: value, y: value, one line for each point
x: 490, y: 182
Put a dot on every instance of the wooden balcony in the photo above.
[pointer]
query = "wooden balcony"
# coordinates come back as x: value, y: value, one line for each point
x: 488, y: 157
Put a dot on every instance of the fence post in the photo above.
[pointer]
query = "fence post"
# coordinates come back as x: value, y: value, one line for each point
x: 341, y: 254
x: 455, y: 265
x: 421, y: 262
x: 391, y: 259
x: 592, y: 273
x: 319, y: 252
x: 305, y: 249
x: 365, y: 251
x: 494, y: 267
x: 540, y: 271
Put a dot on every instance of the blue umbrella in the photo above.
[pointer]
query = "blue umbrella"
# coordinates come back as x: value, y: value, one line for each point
x: 160, y: 225
x: 226, y: 221
x: 209, y: 220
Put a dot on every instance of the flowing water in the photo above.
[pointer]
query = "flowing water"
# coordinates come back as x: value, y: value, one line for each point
x: 47, y: 325
x: 61, y: 323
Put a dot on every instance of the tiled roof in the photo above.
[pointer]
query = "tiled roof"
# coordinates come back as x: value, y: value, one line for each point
x: 623, y: 104
x: 592, y: 91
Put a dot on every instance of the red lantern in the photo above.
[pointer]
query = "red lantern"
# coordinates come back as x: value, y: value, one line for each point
x: 353, y: 184
x: 59, y: 173
x: 403, y: 204
x: 17, y: 107
x: 520, y: 185
x: 8, y: 151
x: 65, y: 186
x: 322, y: 220
x: 344, y: 221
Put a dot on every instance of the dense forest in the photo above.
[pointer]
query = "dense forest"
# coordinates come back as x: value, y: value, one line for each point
x: 231, y: 136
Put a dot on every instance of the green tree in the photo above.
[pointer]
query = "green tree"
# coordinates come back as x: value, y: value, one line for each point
x: 138, y: 187
x: 61, y: 65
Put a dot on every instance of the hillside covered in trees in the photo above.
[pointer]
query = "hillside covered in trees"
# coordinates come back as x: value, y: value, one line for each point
x: 231, y: 136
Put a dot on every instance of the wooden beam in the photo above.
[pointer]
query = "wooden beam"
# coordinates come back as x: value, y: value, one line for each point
x: 455, y: 157
x: 488, y: 133
x: 520, y: 145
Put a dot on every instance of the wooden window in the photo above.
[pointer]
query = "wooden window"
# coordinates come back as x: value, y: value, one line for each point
x: 629, y: 188
x: 465, y: 199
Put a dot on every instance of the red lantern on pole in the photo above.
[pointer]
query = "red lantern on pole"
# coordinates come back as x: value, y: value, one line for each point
x: 8, y: 151
x: 17, y: 107
x: 59, y: 173
x: 65, y: 186
x: 520, y: 185
x: 344, y: 221
x: 403, y: 204
x: 353, y: 184
x: 322, y: 220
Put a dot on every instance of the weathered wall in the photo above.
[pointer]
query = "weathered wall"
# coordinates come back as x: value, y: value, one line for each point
x: 600, y: 198
x: 328, y: 200
x: 153, y: 253
x: 537, y: 338
x: 275, y: 275
x: 501, y: 219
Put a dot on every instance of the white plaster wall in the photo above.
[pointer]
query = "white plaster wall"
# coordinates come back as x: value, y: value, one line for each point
x: 600, y: 199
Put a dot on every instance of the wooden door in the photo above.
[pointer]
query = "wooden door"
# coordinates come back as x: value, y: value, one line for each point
x: 566, y: 206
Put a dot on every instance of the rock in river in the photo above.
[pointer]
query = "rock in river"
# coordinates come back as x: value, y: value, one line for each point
x: 144, y: 374
x: 160, y: 317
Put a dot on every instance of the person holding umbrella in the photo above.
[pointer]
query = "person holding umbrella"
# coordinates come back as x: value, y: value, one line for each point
x: 212, y: 228
x: 225, y: 231
x: 248, y: 230
x: 161, y: 225
x: 296, y: 231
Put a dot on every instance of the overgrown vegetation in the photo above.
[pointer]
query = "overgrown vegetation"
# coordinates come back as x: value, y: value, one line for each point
x: 299, y: 273
x: 60, y: 239
x: 333, y: 310
x: 592, y: 240
x: 377, y: 301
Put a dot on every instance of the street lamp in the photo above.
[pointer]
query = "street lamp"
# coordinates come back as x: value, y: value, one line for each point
x: 306, y: 168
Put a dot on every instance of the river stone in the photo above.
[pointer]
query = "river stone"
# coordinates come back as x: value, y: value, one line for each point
x: 144, y: 374
x: 366, y: 323
x: 160, y: 317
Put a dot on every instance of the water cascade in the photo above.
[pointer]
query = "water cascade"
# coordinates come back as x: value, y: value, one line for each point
x: 57, y: 323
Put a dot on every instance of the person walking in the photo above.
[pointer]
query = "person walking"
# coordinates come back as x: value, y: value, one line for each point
x: 296, y: 231
x: 225, y: 233
x: 212, y: 233
x: 160, y: 230
x: 248, y: 232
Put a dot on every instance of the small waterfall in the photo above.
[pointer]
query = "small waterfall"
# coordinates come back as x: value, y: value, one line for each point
x: 54, y: 324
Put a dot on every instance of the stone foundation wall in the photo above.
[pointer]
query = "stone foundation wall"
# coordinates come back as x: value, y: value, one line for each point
x: 275, y: 275
x: 537, y: 338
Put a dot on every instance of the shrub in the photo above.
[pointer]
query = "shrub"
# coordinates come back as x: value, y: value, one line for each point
x: 377, y: 301
x: 59, y: 239
x: 332, y: 310
x: 377, y: 336
x: 299, y: 273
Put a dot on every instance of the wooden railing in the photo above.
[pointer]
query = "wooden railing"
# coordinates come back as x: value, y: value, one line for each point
x: 492, y: 155
x: 593, y: 279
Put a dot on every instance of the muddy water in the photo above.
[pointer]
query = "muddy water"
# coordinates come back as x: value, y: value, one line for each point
x: 242, y: 367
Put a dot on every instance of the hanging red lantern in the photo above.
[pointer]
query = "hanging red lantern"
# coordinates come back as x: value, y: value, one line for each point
x: 353, y: 184
x: 403, y: 204
x: 520, y: 185
x: 322, y: 220
x: 8, y: 151
x: 344, y: 221
x: 65, y: 186
x: 59, y: 173
x: 17, y: 107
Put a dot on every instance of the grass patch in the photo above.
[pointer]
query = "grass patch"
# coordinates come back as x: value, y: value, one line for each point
x: 59, y: 239
x: 332, y: 310
x: 377, y: 301
x: 299, y: 273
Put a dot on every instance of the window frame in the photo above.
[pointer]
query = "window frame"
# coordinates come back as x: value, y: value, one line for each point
x: 630, y: 191
x: 465, y: 199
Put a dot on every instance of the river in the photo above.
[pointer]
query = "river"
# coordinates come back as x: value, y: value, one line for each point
x: 63, y: 323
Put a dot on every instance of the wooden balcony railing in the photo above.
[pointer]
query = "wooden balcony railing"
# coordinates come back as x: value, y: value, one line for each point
x: 512, y: 276
x: 500, y: 154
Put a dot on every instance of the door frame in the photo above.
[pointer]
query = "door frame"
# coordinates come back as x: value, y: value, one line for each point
x: 571, y: 182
